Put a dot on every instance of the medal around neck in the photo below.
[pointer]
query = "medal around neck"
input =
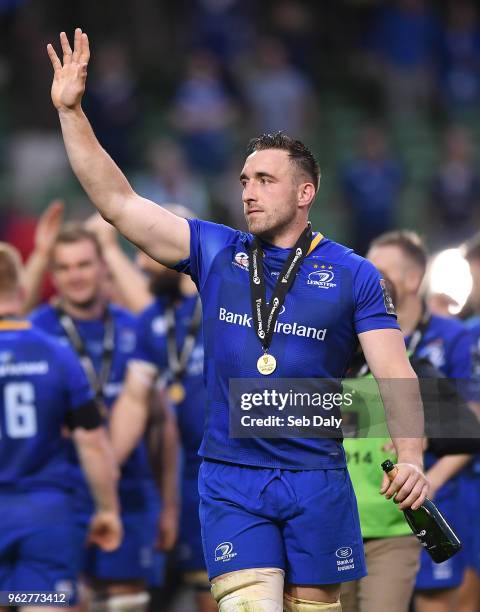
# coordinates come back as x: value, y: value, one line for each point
x: 176, y: 392
x: 266, y: 364
x: 178, y: 356
x: 265, y: 315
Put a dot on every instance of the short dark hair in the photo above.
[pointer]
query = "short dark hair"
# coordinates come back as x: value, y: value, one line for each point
x: 409, y: 242
x: 76, y: 232
x: 297, y: 152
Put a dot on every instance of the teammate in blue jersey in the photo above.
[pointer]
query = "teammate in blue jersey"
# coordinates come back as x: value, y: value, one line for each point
x: 470, y: 590
x: 42, y: 391
x: 279, y: 519
x: 445, y: 343
x: 170, y: 343
x: 470, y: 491
x: 103, y: 336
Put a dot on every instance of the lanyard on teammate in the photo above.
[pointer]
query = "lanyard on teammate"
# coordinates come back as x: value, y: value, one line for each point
x: 418, y: 333
x: 265, y: 315
x: 97, y: 381
x: 412, y: 345
x: 178, y: 356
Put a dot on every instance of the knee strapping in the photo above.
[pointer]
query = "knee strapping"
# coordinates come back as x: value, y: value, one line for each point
x: 252, y: 590
x: 294, y: 604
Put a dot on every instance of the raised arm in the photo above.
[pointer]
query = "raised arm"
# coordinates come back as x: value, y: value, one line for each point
x: 385, y: 353
x: 129, y: 281
x: 37, y: 264
x: 158, y: 232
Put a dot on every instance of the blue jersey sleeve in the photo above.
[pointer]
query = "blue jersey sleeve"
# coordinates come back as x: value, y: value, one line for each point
x: 45, y: 317
x: 144, y: 350
x: 77, y: 387
x: 474, y: 387
x: 460, y: 356
x: 206, y: 241
x: 373, y: 306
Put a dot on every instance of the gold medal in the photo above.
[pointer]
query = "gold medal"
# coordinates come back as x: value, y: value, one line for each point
x: 266, y: 364
x: 176, y: 392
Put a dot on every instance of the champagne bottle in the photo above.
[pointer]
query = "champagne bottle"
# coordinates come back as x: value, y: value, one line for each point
x: 428, y: 524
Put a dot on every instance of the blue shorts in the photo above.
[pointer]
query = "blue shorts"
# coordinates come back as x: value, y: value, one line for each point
x: 304, y: 522
x: 38, y: 543
x: 190, y: 550
x: 135, y: 559
x: 470, y: 528
x: 448, y: 574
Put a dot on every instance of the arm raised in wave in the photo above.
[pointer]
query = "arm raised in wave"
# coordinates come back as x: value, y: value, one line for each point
x: 158, y: 232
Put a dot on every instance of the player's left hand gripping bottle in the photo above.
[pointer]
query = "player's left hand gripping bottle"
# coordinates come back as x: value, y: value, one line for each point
x: 428, y: 524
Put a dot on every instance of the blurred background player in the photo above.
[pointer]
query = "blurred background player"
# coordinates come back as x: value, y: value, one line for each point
x: 392, y: 552
x: 170, y: 342
x: 170, y: 306
x: 469, y: 595
x: 103, y: 335
x: 42, y: 390
x: 446, y: 344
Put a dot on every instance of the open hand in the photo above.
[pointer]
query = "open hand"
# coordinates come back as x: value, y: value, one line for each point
x: 48, y: 226
x: 69, y: 79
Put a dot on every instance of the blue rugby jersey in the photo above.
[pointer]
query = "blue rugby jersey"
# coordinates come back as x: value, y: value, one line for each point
x: 136, y: 472
x: 40, y: 382
x: 447, y: 344
x: 152, y: 348
x: 473, y: 325
x: 336, y: 295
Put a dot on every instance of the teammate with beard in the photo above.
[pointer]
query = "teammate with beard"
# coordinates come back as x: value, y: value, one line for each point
x: 170, y: 345
x: 446, y: 343
x: 272, y: 511
x: 43, y: 390
x: 103, y: 335
x: 392, y: 552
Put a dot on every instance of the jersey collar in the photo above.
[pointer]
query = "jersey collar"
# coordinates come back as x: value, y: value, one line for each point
x: 315, y: 242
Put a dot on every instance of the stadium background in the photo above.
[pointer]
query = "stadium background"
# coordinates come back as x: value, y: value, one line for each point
x: 176, y: 89
x: 385, y: 93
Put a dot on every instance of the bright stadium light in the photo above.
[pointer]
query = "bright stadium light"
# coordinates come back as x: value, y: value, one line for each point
x: 450, y: 275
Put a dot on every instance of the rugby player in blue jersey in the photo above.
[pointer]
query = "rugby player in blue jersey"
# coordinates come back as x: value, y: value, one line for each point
x: 469, y: 595
x: 279, y: 520
x: 447, y: 344
x: 42, y: 391
x: 170, y: 347
x: 104, y: 335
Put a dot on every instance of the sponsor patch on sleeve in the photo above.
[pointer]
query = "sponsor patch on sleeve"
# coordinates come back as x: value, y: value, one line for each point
x: 387, y: 298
